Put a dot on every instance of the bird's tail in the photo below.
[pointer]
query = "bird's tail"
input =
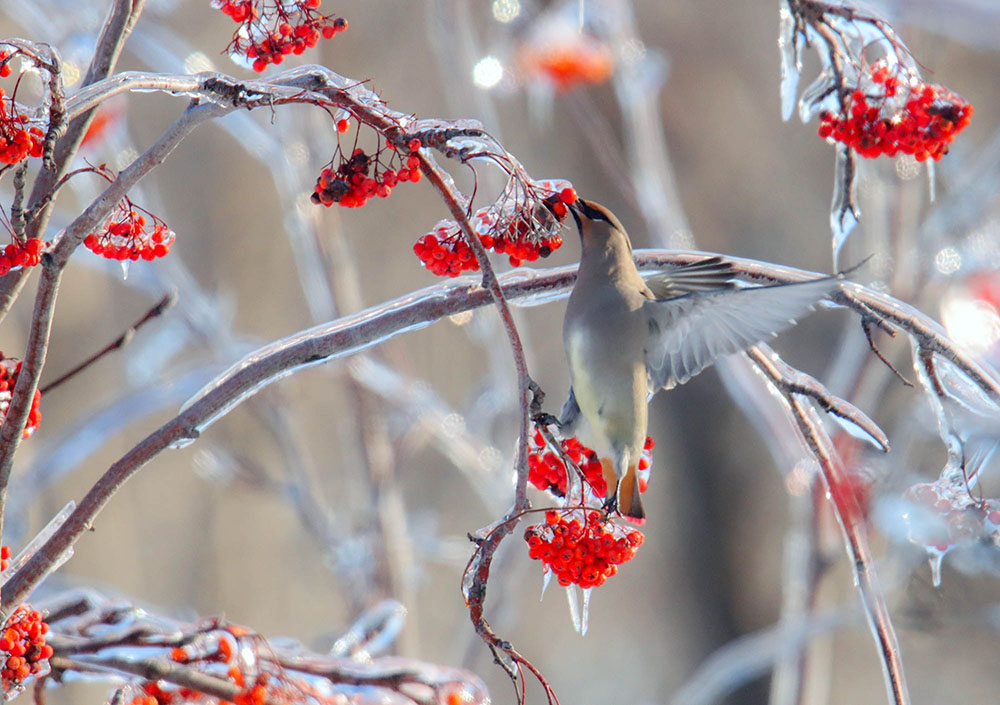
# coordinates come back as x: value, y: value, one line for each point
x: 629, y: 501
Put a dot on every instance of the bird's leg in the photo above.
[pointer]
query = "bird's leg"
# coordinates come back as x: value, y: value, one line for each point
x: 611, y: 482
x: 539, y: 417
x: 611, y: 504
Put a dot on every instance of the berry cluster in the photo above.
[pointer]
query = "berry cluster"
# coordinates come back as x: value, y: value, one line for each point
x: 256, y: 689
x: 362, y: 176
x: 894, y: 112
x: 10, y: 368
x: 17, y: 141
x: 524, y: 232
x: 585, y: 553
x: 21, y: 254
x: 271, y: 30
x: 126, y: 235
x: 5, y: 69
x: 4, y: 557
x: 962, y: 519
x: 568, y: 59
x: 23, y: 643
x: 547, y: 472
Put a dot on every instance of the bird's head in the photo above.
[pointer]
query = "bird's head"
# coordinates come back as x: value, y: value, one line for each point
x: 597, y: 224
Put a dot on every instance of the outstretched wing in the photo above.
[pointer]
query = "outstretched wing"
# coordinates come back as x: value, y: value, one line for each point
x: 689, y: 333
x: 709, y: 274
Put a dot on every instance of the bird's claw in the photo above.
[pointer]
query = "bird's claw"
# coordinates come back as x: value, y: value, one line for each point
x: 543, y: 418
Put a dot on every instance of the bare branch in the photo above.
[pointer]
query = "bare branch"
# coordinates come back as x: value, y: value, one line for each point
x: 851, y: 520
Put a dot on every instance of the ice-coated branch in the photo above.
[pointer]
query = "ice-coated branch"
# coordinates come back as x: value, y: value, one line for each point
x: 53, y: 264
x: 851, y: 520
x: 416, y: 310
x: 793, y: 381
x: 151, y: 669
x: 121, y: 19
x: 100, y: 638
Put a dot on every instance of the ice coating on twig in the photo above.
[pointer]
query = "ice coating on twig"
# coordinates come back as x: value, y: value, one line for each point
x: 38, y: 541
x: 791, y: 60
x: 844, y: 213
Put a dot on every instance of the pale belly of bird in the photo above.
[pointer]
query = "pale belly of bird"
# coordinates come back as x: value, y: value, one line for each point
x: 611, y: 393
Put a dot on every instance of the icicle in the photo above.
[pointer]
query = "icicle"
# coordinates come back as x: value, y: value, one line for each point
x: 125, y: 265
x: 934, y: 557
x: 585, y: 617
x: 574, y: 607
x: 546, y: 579
x: 844, y: 214
x: 791, y: 64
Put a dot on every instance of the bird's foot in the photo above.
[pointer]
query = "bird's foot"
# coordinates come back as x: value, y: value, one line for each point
x: 610, y: 506
x: 542, y: 418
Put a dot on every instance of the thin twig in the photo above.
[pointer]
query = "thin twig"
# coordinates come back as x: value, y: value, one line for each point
x: 121, y: 341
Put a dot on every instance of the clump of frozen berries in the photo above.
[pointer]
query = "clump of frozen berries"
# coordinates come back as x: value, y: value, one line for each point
x: 547, y: 472
x: 581, y: 546
x: 23, y: 648
x: 21, y: 253
x: 18, y: 140
x: 10, y: 369
x: 894, y: 112
x: 270, y: 30
x: 351, y: 181
x: 951, y: 517
x: 5, y: 57
x: 128, y: 235
x: 524, y: 230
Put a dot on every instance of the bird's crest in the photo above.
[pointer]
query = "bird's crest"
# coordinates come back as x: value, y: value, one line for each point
x: 595, y: 212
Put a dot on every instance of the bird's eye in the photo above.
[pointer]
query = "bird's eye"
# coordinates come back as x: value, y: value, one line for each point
x: 592, y: 213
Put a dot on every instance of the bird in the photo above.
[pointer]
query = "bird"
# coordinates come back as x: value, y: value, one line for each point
x: 626, y: 337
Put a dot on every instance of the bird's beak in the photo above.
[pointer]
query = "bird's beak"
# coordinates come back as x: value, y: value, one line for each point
x: 575, y: 212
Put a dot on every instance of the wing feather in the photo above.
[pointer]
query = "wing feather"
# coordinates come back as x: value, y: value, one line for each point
x: 690, y: 332
x: 712, y: 273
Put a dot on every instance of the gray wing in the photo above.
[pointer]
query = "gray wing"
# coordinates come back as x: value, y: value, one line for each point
x: 711, y: 273
x: 689, y: 333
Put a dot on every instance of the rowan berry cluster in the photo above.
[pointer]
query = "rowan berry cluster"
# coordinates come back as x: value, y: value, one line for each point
x: 4, y: 557
x: 585, y: 553
x: 361, y: 176
x: 23, y: 647
x: 894, y: 112
x: 961, y: 519
x: 10, y: 368
x: 567, y: 59
x: 524, y: 232
x: 547, y: 472
x: 270, y: 30
x: 19, y: 253
x: 17, y: 140
x: 5, y: 69
x: 127, y: 235
x: 256, y: 688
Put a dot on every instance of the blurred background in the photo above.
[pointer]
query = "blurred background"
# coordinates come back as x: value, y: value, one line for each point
x: 357, y: 481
